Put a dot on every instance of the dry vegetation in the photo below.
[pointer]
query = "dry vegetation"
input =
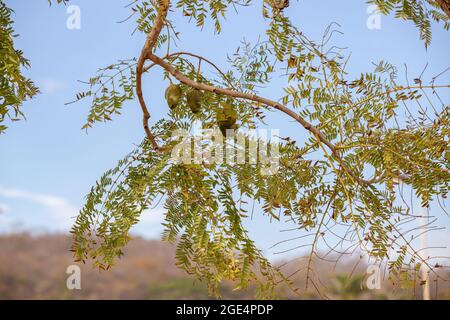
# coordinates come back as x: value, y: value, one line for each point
x: 33, y: 267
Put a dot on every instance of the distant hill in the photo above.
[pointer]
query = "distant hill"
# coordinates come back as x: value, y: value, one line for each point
x: 34, y: 267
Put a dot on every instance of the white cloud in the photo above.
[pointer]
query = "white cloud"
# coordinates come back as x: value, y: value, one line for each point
x: 5, y: 220
x: 152, y: 216
x: 59, y: 208
x: 3, y: 208
x: 50, y: 86
x: 149, y: 225
x: 63, y: 213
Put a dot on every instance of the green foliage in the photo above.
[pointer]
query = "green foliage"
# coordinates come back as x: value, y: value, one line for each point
x: 15, y: 88
x: 382, y: 131
x: 179, y: 288
x: 419, y: 12
x: 346, y: 288
x: 199, y: 10
x: 207, y: 204
x: 252, y: 64
x: 109, y: 89
x: 202, y: 215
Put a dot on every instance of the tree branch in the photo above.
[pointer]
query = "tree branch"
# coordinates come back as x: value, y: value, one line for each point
x: 253, y: 97
x: 177, y: 54
x: 147, y: 54
x: 247, y: 96
x: 146, y: 51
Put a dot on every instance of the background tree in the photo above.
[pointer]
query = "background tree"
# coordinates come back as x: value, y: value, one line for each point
x: 365, y: 135
x: 14, y: 87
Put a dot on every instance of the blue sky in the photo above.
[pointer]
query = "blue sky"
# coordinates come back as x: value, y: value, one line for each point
x: 48, y: 164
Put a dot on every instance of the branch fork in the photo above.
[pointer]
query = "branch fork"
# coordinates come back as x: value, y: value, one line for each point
x: 147, y: 54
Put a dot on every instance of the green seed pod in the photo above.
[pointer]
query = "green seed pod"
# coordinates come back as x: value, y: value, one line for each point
x: 194, y: 100
x: 223, y: 129
x: 173, y: 95
x: 226, y: 117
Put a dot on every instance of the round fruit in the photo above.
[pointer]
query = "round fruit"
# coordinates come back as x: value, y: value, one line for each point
x: 194, y: 100
x: 226, y: 117
x: 173, y: 95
